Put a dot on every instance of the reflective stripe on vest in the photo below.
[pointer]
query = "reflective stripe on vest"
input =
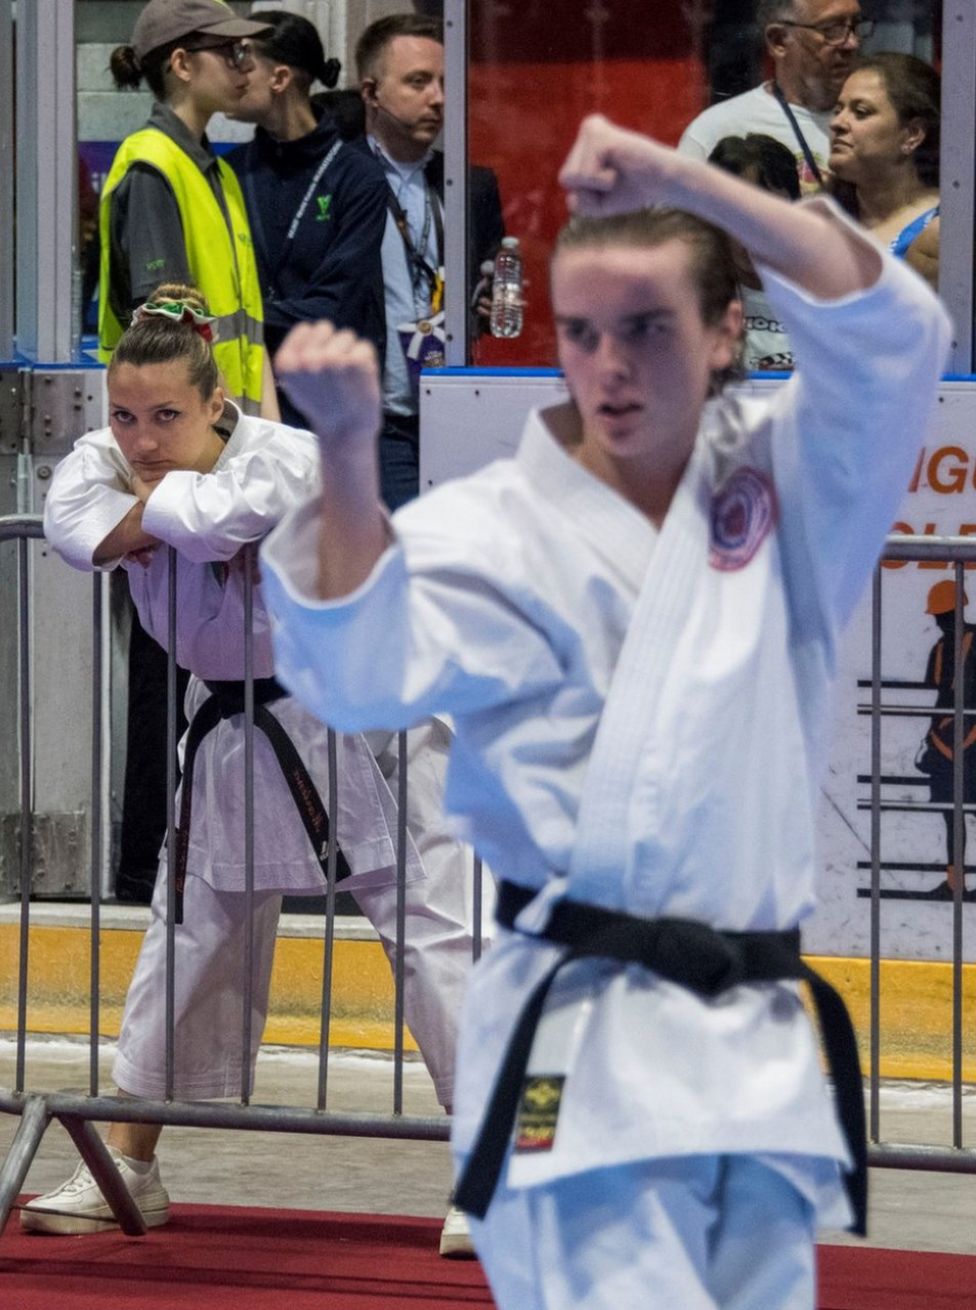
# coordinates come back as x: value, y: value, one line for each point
x: 221, y: 261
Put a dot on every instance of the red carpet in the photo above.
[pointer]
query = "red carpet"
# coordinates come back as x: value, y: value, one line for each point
x: 871, y: 1278
x: 212, y: 1258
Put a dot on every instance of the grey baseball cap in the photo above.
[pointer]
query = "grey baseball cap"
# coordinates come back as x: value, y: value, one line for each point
x: 165, y: 21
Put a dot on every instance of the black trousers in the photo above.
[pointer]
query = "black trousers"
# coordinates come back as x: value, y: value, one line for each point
x: 144, y: 790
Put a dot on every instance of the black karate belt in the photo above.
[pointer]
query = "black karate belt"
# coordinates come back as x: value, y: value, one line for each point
x: 225, y: 700
x: 683, y: 951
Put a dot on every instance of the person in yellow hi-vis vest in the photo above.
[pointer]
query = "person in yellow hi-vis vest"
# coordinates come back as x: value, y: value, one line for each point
x: 170, y: 209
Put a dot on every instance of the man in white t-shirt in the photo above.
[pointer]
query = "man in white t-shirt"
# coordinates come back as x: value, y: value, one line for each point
x: 813, y: 45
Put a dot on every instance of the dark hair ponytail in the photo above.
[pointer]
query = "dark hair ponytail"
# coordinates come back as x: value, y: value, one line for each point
x: 294, y: 41
x: 128, y: 70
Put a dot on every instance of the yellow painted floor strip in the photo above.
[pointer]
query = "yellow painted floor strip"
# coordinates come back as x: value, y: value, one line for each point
x: 59, y: 973
x: 915, y: 1005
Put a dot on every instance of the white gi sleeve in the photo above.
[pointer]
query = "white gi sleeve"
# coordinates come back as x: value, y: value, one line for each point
x: 210, y: 516
x: 847, y: 427
x: 431, y: 630
x: 88, y: 497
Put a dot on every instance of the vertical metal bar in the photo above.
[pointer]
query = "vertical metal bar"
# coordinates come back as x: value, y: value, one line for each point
x: 248, y: 988
x: 26, y: 835
x: 47, y: 174
x: 958, y: 845
x: 875, y: 932
x: 96, y: 834
x: 477, y: 909
x: 8, y: 172
x: 456, y: 181
x: 106, y: 728
x: 401, y: 923
x: 20, y: 1155
x: 957, y: 187
x: 171, y: 838
x: 330, y: 898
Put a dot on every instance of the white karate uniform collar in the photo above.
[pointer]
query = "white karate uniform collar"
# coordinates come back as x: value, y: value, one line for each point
x: 615, y: 529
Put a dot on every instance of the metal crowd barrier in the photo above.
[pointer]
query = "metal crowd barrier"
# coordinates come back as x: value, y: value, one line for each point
x: 78, y: 1112
x: 958, y: 551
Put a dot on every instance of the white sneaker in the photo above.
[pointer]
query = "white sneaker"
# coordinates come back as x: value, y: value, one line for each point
x: 456, y: 1241
x: 82, y: 1208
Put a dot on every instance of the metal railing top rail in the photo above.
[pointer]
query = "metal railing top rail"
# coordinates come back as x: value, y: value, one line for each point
x: 905, y: 546
x: 16, y: 526
x: 898, y: 545
x: 241, y: 1115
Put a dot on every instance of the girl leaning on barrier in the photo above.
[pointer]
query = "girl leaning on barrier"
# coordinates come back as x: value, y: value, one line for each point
x: 634, y: 623
x: 172, y: 211
x: 181, y: 466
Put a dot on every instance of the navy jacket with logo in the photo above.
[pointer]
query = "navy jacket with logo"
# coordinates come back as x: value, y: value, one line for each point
x: 332, y: 268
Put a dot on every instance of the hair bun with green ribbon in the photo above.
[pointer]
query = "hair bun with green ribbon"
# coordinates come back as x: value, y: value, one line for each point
x: 178, y: 311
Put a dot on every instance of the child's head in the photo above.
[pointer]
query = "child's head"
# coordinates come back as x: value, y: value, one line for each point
x: 760, y: 159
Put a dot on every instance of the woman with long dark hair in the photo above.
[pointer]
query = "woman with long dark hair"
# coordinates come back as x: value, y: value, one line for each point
x: 885, y: 154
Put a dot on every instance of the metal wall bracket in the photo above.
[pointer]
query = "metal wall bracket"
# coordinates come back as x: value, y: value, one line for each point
x: 59, y: 854
x: 63, y: 405
x: 12, y: 390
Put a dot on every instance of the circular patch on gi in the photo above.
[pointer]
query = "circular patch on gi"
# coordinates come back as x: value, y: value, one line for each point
x: 743, y: 514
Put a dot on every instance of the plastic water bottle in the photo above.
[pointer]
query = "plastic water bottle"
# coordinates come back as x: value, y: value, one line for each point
x: 506, y: 295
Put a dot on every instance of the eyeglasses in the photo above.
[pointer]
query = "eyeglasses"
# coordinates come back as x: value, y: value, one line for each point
x: 235, y: 54
x: 836, y: 33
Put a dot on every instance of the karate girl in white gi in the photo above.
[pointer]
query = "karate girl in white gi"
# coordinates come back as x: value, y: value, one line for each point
x: 634, y: 625
x: 180, y: 465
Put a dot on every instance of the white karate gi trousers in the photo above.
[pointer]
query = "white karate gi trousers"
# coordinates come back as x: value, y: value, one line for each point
x: 210, y: 952
x: 695, y: 1232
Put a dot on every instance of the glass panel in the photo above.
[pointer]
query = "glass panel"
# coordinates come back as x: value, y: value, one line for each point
x: 532, y: 80
x: 655, y: 69
x: 7, y: 170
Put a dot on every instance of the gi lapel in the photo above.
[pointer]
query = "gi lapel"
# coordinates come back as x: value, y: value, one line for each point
x: 680, y: 558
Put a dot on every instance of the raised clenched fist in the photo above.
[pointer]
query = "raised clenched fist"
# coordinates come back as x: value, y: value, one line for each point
x: 333, y: 377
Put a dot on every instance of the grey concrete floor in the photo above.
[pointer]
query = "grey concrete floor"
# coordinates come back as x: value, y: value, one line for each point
x: 914, y: 1211
x: 296, y: 1171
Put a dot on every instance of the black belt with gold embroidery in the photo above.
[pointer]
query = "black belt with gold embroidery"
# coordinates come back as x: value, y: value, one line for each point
x: 225, y: 700
x: 683, y: 951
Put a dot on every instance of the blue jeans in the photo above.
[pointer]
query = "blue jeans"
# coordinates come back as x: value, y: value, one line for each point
x: 399, y: 459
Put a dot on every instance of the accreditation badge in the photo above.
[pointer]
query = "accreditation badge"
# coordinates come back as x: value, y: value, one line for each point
x: 423, y: 343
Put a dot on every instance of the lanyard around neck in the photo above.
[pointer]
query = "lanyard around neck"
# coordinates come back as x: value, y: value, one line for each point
x: 254, y: 211
x: 420, y: 267
x: 798, y: 133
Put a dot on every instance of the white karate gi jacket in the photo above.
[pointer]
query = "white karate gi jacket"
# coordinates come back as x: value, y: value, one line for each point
x: 505, y: 600
x: 264, y: 469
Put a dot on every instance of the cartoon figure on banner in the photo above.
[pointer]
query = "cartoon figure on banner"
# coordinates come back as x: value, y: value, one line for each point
x: 936, y: 752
